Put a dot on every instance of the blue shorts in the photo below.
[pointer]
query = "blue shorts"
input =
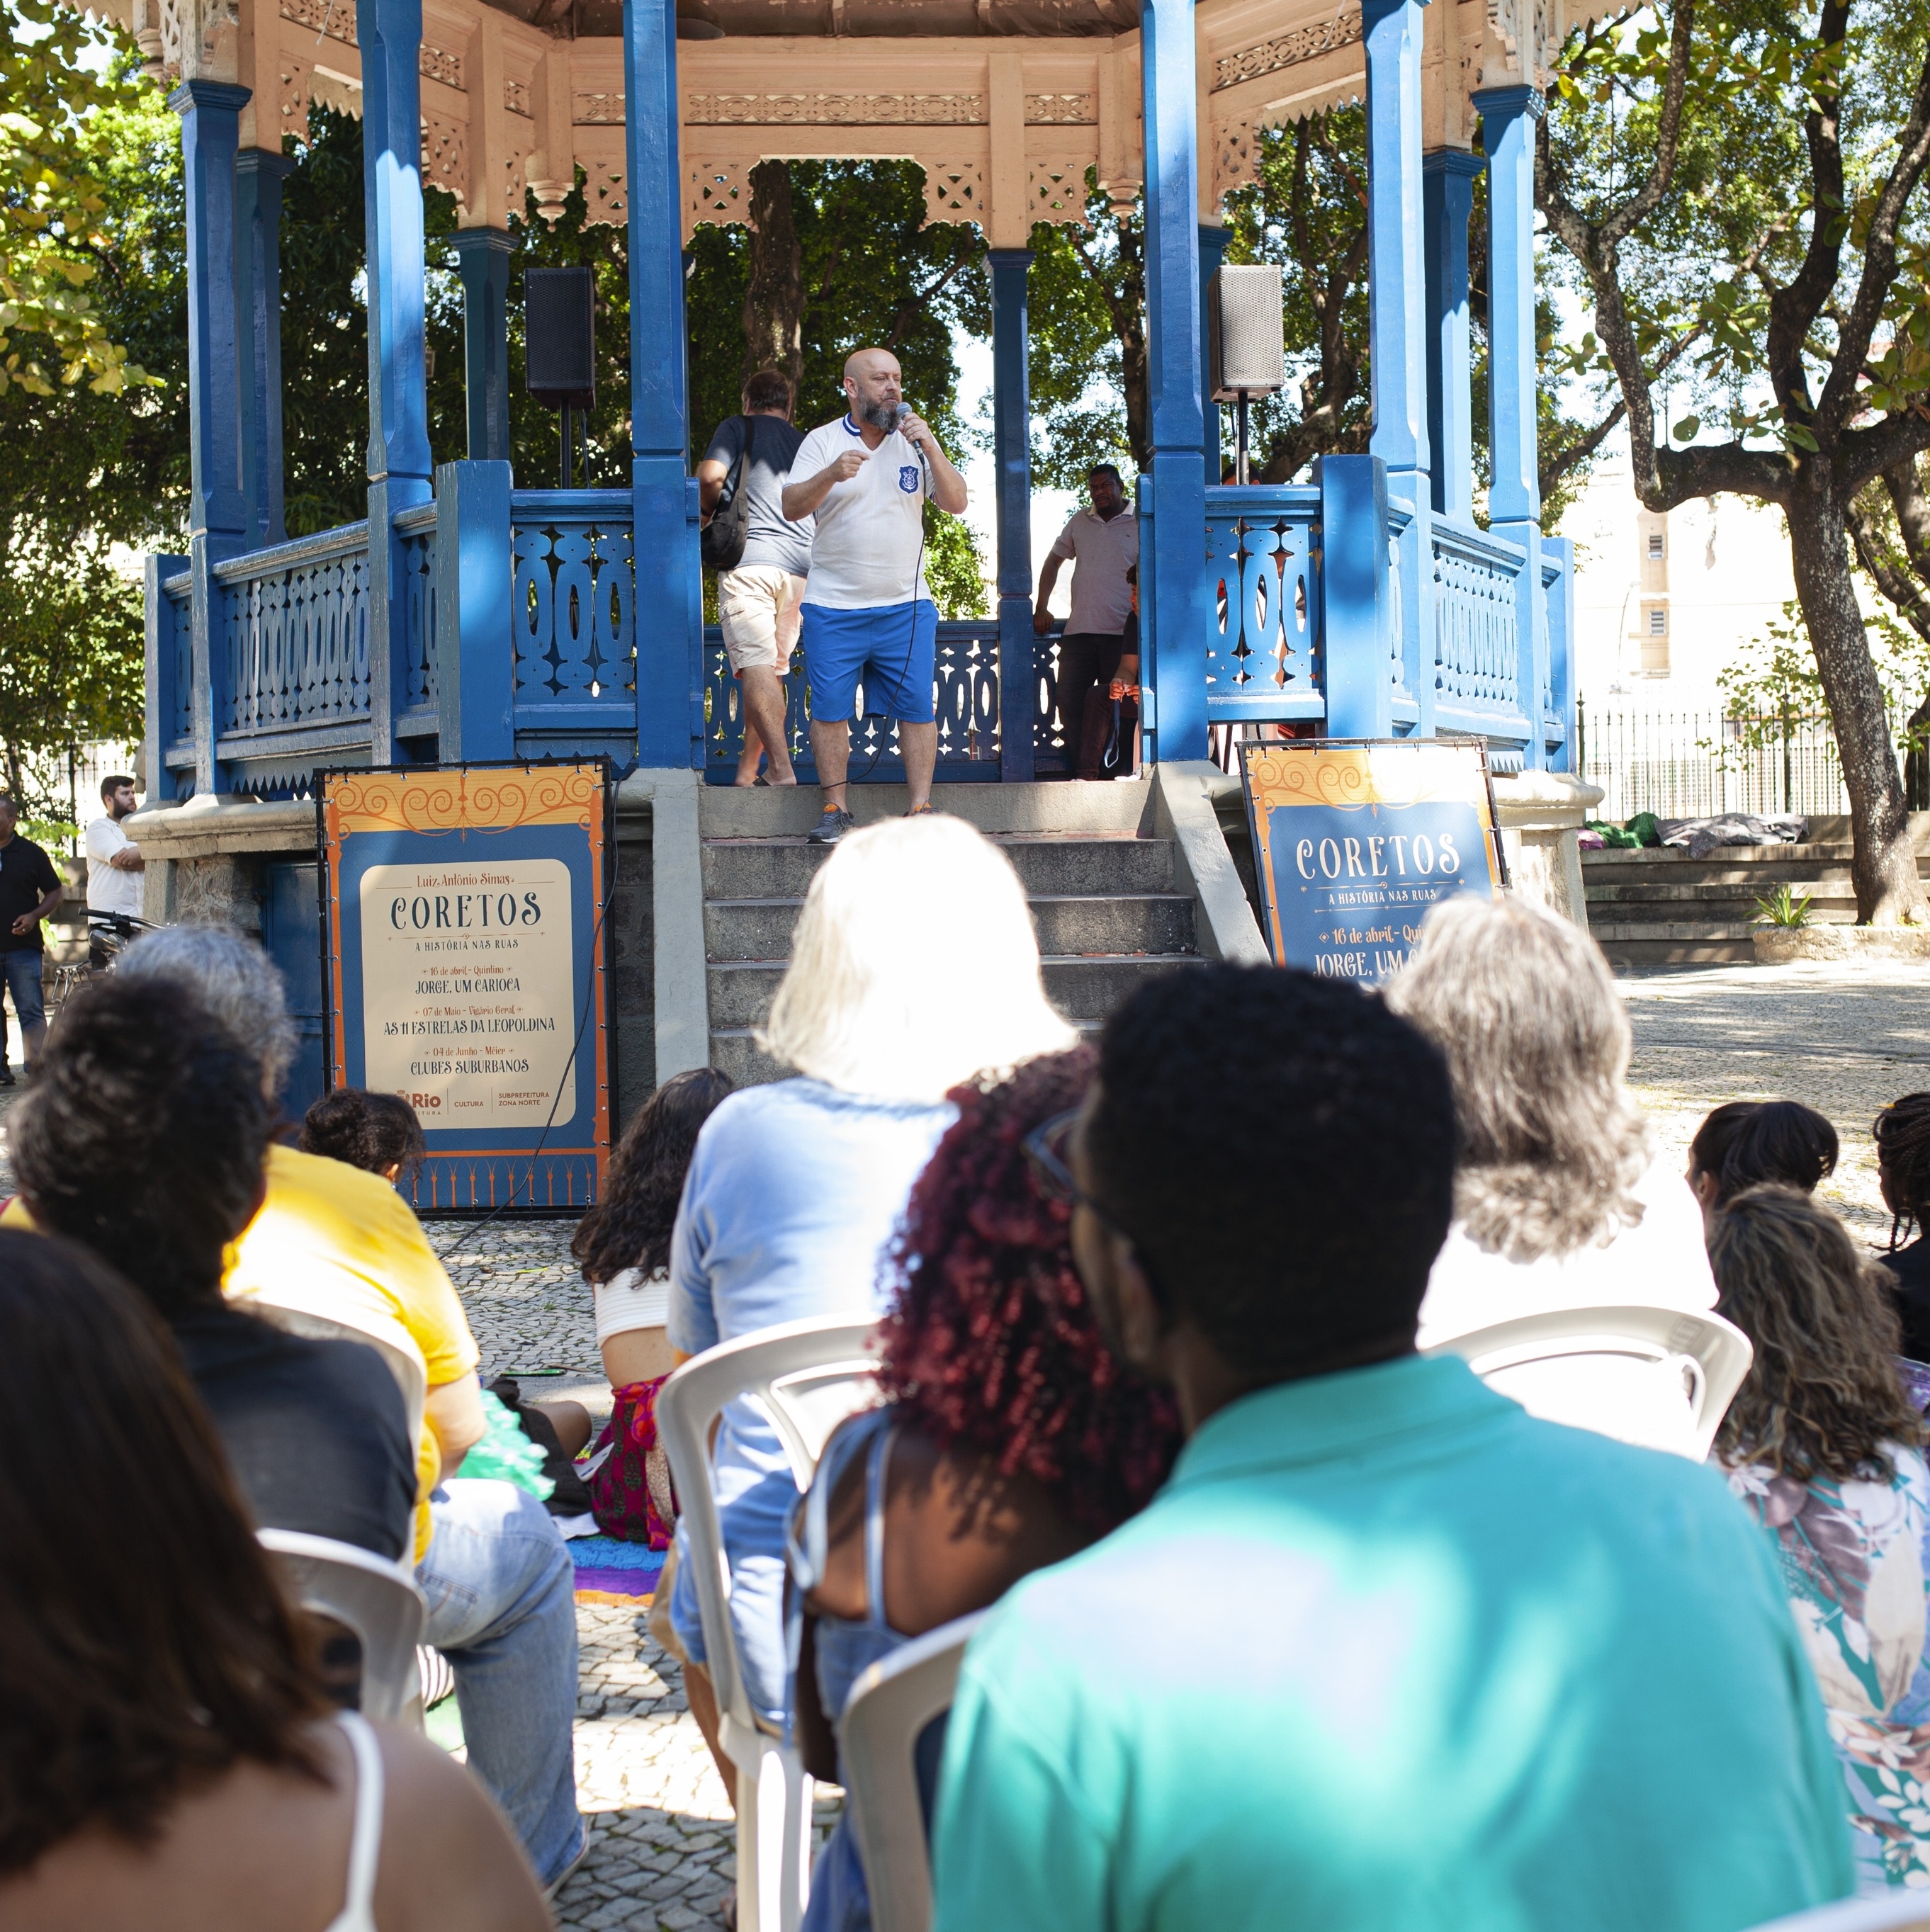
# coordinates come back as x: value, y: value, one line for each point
x: 889, y: 649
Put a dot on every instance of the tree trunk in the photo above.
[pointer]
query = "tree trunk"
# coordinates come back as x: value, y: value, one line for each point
x: 1884, y: 863
x: 774, y: 300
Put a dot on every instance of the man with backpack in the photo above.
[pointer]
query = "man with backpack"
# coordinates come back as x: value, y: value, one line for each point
x: 761, y: 561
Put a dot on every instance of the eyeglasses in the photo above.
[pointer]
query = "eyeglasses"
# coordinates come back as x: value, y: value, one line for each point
x: 1045, y: 1149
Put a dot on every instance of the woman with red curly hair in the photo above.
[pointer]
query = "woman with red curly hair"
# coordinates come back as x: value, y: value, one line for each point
x: 1010, y: 1438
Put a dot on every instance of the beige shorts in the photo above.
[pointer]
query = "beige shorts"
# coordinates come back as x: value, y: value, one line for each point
x: 760, y: 608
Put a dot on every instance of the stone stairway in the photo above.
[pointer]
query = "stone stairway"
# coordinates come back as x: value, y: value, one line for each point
x: 1660, y: 908
x: 1105, y: 899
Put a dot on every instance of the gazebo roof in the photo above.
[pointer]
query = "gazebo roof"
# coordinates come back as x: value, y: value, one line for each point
x: 1005, y: 104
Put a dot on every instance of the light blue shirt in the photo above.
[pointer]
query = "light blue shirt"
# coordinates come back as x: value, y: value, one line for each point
x: 794, y: 1196
x: 1387, y: 1654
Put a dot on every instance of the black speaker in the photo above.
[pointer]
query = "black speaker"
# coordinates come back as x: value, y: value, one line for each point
x: 1246, y: 331
x: 560, y: 337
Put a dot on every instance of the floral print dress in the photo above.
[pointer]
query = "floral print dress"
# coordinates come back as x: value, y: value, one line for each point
x: 1855, y: 1565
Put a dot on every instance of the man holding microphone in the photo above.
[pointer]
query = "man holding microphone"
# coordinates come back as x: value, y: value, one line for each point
x: 867, y: 617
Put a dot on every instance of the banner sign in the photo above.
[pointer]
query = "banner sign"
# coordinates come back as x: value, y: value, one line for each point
x: 1353, y: 841
x: 465, y: 971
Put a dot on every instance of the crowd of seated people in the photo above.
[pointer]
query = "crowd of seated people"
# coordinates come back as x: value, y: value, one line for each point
x: 167, y: 1758
x: 1290, y: 1615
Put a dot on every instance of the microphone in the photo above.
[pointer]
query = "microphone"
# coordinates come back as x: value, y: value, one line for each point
x: 924, y: 461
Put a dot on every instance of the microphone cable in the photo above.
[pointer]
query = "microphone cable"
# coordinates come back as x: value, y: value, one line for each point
x: 911, y: 634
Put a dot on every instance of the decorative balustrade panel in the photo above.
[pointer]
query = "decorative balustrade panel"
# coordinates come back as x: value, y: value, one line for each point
x: 1264, y: 660
x: 177, y: 602
x: 416, y: 530
x: 1477, y: 646
x: 573, y: 604
x: 964, y: 695
x: 294, y: 620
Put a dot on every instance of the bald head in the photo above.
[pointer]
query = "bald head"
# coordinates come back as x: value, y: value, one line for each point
x: 873, y: 385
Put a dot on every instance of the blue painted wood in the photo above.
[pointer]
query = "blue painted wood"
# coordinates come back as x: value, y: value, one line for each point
x: 210, y: 119
x: 295, y: 636
x: 1213, y: 241
x: 1508, y: 114
x: 258, y: 175
x: 1558, y: 582
x: 1398, y: 331
x: 482, y: 259
x: 291, y: 934
x: 1356, y: 614
x: 1012, y: 461
x: 1264, y: 660
x: 389, y: 34
x: 966, y: 697
x: 476, y: 698
x: 1175, y: 593
x: 572, y: 627
x: 670, y: 664
x: 1447, y: 187
x: 162, y: 671
x: 1395, y: 316
x: 1477, y: 653
x: 210, y: 114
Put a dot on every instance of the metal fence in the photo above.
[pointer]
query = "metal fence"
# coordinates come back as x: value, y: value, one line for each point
x: 1697, y: 764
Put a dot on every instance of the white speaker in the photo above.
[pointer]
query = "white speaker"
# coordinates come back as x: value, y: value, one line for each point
x: 1246, y: 331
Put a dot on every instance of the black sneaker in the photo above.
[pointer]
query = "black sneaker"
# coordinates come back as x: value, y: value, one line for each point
x: 6, y: 1075
x: 831, y: 827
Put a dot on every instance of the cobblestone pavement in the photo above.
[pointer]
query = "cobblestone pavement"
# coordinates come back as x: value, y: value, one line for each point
x: 662, y: 1844
x: 1845, y: 1040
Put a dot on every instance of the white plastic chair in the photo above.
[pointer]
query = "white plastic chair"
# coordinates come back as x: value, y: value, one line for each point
x: 806, y: 1377
x: 1901, y: 1912
x: 1659, y: 1377
x: 885, y: 1716
x: 405, y: 1364
x: 376, y: 1598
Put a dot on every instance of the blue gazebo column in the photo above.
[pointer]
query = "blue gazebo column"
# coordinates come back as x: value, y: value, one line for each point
x: 1212, y: 252
x: 1508, y: 114
x: 1398, y: 345
x: 1447, y: 192
x: 482, y: 259
x: 390, y: 33
x: 1176, y: 595
x: 670, y: 583
x: 217, y: 517
x: 258, y: 175
x: 1012, y: 459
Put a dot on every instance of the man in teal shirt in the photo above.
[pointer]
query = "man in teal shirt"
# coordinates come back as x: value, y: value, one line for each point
x: 1386, y: 1652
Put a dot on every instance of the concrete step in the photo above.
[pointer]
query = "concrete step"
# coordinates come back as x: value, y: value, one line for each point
x: 1087, y: 863
x: 1679, y: 952
x: 1128, y: 922
x: 1113, y: 805
x: 741, y: 991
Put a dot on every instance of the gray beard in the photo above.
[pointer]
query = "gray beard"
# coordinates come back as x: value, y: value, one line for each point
x: 879, y: 416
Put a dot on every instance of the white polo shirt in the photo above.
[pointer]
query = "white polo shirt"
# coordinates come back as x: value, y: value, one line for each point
x: 869, y: 532
x: 109, y: 889
x: 1105, y: 548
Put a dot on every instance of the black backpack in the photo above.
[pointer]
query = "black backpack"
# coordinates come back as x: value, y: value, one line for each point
x: 722, y: 541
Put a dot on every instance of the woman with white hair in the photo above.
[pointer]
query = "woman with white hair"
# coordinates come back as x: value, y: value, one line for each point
x: 1557, y: 1203
x: 914, y: 967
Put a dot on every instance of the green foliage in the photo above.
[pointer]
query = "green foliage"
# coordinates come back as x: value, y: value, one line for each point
x: 1773, y: 682
x: 71, y: 669
x: 1086, y: 292
x: 1783, y: 908
x: 873, y: 273
x: 54, y: 210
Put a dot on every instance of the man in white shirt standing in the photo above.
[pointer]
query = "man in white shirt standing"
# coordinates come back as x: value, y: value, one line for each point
x: 1093, y: 653
x: 867, y: 617
x: 114, y: 869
